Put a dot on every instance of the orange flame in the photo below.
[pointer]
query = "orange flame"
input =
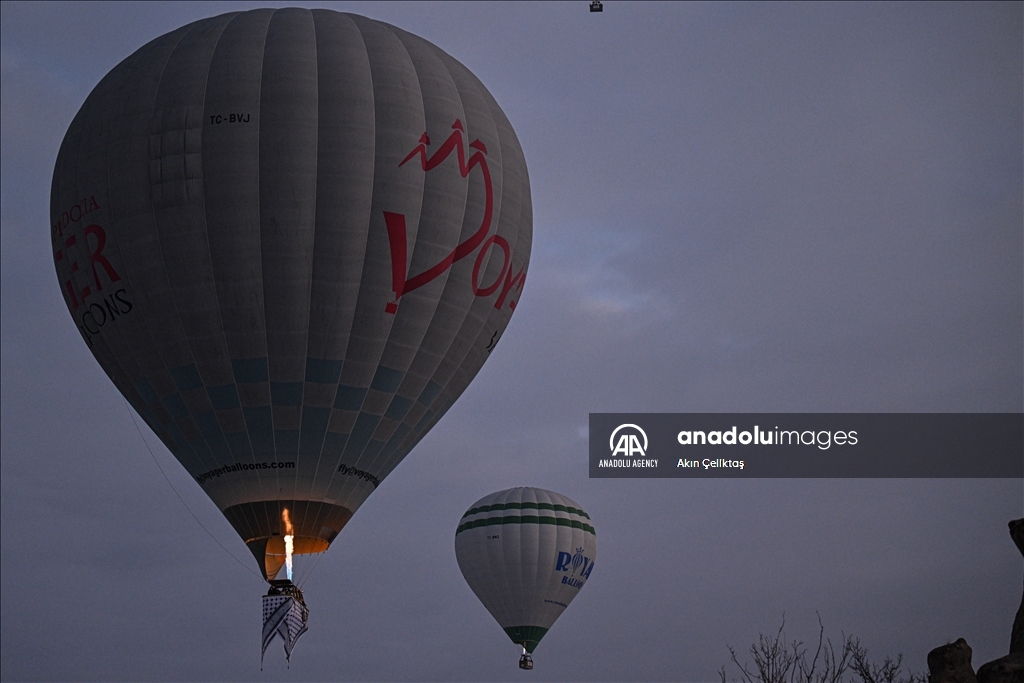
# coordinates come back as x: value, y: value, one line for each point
x: 289, y: 530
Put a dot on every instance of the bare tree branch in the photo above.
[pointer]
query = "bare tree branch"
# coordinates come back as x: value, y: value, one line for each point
x: 777, y: 661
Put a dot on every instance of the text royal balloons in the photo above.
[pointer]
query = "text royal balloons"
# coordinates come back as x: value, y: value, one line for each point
x: 526, y: 553
x: 291, y: 238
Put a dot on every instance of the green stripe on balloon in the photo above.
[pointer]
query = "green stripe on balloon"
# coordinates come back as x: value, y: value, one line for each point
x: 526, y: 506
x: 524, y: 519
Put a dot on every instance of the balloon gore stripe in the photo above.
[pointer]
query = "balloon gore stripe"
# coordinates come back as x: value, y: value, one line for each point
x: 524, y: 519
x: 525, y: 506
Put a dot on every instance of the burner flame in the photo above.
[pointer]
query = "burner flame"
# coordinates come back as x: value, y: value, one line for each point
x: 288, y: 538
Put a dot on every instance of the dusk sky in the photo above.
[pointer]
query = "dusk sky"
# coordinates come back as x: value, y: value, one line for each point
x: 737, y: 208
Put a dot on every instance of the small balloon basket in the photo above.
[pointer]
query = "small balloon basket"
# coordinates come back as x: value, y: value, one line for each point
x: 284, y: 614
x: 526, y: 661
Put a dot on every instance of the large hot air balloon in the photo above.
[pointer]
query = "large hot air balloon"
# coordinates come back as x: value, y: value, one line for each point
x: 526, y: 553
x: 291, y: 238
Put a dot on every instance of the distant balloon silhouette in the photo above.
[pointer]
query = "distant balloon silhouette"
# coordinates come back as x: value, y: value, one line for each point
x: 526, y: 553
x: 291, y: 238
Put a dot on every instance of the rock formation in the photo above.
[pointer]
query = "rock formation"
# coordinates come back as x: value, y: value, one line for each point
x: 1017, y: 634
x: 951, y: 664
x: 1009, y: 669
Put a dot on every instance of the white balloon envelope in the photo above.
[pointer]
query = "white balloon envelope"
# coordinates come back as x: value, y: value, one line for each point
x: 291, y: 238
x: 526, y: 553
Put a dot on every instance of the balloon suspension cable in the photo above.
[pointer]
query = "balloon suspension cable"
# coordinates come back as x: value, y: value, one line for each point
x: 153, y: 455
x: 310, y: 568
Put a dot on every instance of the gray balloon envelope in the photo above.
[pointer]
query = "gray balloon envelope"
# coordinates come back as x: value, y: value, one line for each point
x: 291, y: 238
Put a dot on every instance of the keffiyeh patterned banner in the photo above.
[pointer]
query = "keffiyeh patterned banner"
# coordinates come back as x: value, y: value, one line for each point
x: 283, y: 615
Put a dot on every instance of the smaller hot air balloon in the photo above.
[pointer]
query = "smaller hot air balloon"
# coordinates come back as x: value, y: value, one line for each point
x: 526, y: 553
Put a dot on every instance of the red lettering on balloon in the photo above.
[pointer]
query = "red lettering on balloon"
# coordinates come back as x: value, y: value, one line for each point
x: 396, y: 227
x: 69, y: 284
x: 507, y: 287
x: 97, y: 257
x: 507, y: 255
x: 73, y: 215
